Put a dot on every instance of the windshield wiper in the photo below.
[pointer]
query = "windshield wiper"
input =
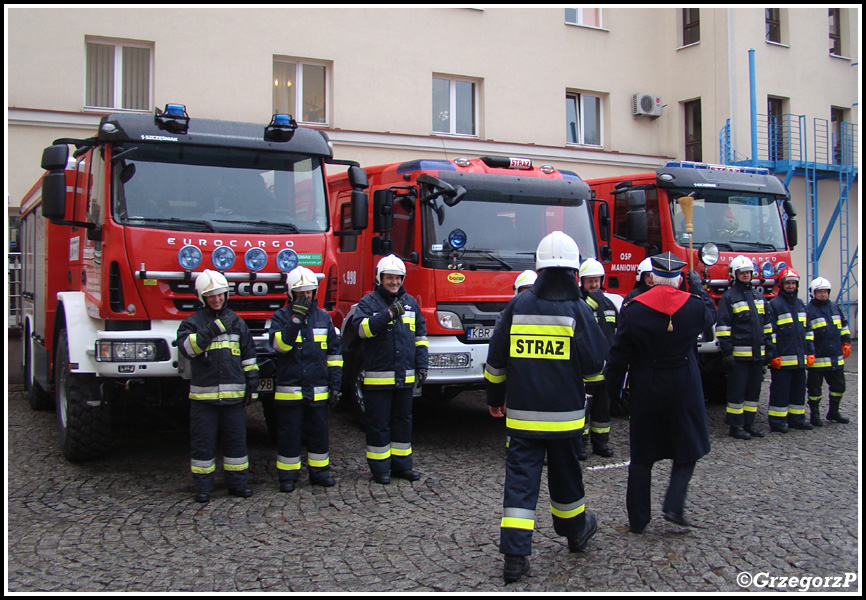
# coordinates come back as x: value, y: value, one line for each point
x: 174, y: 220
x: 289, y: 226
x: 489, y: 254
x: 760, y: 245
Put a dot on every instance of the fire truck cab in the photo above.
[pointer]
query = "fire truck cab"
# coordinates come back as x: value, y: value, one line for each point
x: 737, y: 210
x: 115, y: 233
x: 465, y: 230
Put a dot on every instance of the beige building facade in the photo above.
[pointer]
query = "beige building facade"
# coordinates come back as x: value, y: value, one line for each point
x: 554, y: 84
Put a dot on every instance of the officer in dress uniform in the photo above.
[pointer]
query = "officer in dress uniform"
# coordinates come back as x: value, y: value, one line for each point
x: 745, y: 336
x: 655, y: 343
x: 547, y: 341
x: 794, y: 348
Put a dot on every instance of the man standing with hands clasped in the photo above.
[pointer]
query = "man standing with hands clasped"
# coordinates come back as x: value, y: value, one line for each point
x: 655, y: 343
x: 545, y: 344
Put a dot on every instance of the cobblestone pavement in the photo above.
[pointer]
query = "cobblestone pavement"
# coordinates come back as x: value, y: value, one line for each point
x: 782, y: 506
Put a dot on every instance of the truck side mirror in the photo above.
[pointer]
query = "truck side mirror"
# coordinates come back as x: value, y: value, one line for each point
x: 604, y: 222
x: 54, y: 159
x: 359, y: 210
x: 635, y: 221
x: 383, y: 211
x: 358, y: 178
x: 792, y: 232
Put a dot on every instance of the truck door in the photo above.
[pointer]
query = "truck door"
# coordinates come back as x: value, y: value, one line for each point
x: 636, y: 232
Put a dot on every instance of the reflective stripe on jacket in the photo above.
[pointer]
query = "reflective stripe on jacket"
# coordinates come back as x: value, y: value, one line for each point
x: 792, y: 335
x: 830, y: 328
x: 744, y: 328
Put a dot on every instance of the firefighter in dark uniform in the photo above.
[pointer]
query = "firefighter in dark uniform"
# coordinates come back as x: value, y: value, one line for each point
x: 225, y: 377
x: 832, y: 347
x: 794, y: 351
x: 744, y: 332
x: 598, y: 409
x: 309, y: 369
x: 394, y: 346
x: 547, y: 341
x: 655, y: 343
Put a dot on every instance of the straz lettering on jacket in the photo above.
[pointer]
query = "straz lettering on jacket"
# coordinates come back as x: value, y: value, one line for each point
x: 541, y: 336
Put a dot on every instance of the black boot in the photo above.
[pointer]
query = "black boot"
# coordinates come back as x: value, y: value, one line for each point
x: 815, y: 415
x: 833, y: 413
x: 515, y: 567
x: 740, y: 433
x: 753, y: 431
x: 602, y: 449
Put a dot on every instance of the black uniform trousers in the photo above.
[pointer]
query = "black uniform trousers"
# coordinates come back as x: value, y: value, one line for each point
x: 388, y: 419
x: 598, y: 412
x: 297, y: 420
x: 787, y: 397
x: 637, y: 498
x: 835, y: 380
x: 744, y: 390
x: 523, y: 466
x: 228, y: 424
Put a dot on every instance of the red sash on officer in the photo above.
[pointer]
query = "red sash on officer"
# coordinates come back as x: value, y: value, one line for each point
x: 664, y: 299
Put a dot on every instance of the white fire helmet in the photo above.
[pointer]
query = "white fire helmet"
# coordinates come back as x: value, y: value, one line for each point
x: 591, y: 268
x: 557, y: 249
x: 645, y: 266
x: 392, y: 265
x: 210, y: 283
x: 525, y: 279
x: 819, y: 283
x: 741, y: 263
x: 301, y: 279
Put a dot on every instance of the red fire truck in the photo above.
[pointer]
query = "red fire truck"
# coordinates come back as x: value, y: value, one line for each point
x: 737, y: 210
x: 465, y: 229
x: 114, y: 236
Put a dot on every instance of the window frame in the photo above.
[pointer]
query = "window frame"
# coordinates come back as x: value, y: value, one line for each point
x: 580, y: 112
x: 297, y: 111
x: 835, y: 31
x: 689, y: 27
x: 117, y: 88
x: 579, y: 17
x: 452, y: 105
x: 773, y: 24
x: 695, y: 128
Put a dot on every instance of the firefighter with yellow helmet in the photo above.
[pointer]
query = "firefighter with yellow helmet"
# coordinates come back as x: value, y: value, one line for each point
x: 394, y: 344
x: 225, y: 376
x: 745, y: 339
x: 832, y: 347
x: 546, y: 342
x: 309, y: 369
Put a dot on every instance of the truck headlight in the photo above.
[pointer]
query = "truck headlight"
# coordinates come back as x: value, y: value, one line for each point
x: 450, y: 360
x: 448, y: 320
x: 131, y: 350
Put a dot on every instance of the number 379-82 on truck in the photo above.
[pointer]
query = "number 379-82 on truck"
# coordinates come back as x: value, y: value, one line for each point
x: 114, y: 236
x: 465, y: 229
x: 737, y: 210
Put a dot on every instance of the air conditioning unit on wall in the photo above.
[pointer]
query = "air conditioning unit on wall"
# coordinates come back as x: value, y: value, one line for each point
x: 646, y: 105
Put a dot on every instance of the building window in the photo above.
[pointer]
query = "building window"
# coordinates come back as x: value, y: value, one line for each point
x: 835, y: 31
x: 693, y: 131
x: 301, y: 89
x: 773, y: 24
x: 118, y: 75
x: 691, y: 26
x: 777, y: 136
x: 842, y: 132
x: 454, y: 106
x: 590, y: 17
x: 583, y: 119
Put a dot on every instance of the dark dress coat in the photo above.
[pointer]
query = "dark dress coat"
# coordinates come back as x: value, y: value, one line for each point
x: 668, y: 416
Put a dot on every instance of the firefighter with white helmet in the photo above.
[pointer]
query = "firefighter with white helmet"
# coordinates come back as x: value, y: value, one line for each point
x: 546, y: 342
x: 309, y: 368
x: 643, y: 279
x: 524, y: 281
x: 794, y: 352
x: 598, y: 409
x: 832, y: 347
x: 225, y: 376
x: 394, y: 342
x: 744, y: 331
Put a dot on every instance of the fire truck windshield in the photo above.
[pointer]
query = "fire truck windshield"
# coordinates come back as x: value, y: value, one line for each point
x: 170, y: 186
x: 734, y: 221
x: 503, y: 234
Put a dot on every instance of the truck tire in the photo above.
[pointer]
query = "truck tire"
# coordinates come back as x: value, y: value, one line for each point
x: 353, y: 388
x: 83, y: 419
x: 38, y: 398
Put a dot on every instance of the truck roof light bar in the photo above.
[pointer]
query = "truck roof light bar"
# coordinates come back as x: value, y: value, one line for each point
x: 507, y: 162
x: 173, y: 118
x: 281, y: 128
x: 713, y: 167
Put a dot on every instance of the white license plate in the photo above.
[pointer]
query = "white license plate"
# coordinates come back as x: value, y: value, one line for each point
x: 266, y: 385
x: 479, y: 333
